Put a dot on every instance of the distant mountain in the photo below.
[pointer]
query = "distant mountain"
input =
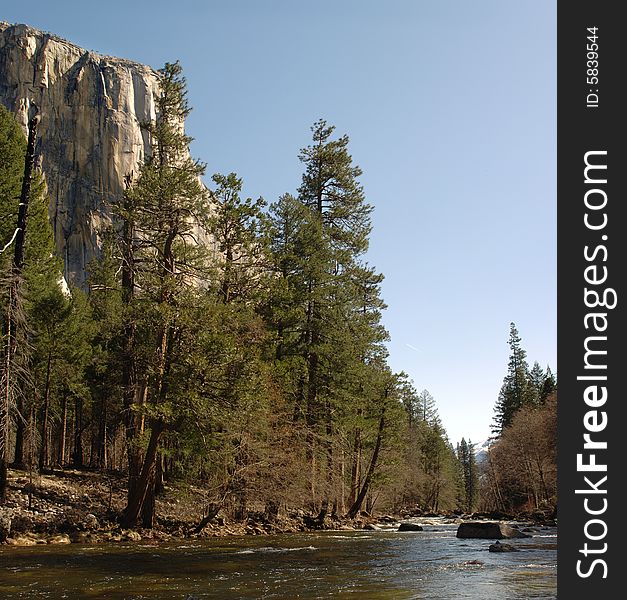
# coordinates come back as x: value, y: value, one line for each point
x: 481, y: 450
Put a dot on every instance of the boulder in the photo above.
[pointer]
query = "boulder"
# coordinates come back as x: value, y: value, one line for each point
x: 498, y: 547
x: 387, y: 519
x: 21, y: 541
x: 5, y: 524
x: 81, y: 537
x: 489, y: 530
x: 91, y: 522
x: 62, y: 538
x: 410, y: 527
x: 132, y: 536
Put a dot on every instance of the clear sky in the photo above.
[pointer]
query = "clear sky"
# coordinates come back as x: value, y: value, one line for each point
x: 450, y: 106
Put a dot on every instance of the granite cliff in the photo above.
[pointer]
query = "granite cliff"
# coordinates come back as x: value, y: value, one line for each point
x: 91, y: 107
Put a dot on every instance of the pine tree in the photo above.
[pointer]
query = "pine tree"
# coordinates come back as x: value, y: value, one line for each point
x: 28, y: 268
x: 534, y: 385
x: 236, y: 226
x: 334, y: 235
x: 427, y: 409
x: 549, y: 385
x: 514, y: 389
x: 164, y: 214
x: 470, y: 474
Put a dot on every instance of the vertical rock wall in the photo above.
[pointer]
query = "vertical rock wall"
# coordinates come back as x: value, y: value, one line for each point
x: 91, y: 107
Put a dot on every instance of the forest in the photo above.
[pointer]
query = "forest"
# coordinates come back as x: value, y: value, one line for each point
x: 237, y: 346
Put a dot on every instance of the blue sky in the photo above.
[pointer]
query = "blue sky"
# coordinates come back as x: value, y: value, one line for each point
x: 450, y: 106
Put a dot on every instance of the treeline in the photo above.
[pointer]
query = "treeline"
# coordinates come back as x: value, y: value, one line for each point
x: 220, y: 342
x: 520, y: 471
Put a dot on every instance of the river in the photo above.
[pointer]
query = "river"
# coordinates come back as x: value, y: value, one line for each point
x: 428, y: 565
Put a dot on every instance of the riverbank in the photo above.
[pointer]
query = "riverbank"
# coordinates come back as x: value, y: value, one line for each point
x: 81, y: 506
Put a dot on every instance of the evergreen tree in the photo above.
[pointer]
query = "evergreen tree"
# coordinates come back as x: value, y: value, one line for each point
x: 534, y: 385
x: 164, y: 214
x: 236, y: 226
x: 103, y: 374
x: 427, y: 409
x: 333, y: 235
x: 470, y: 474
x: 331, y: 189
x: 549, y: 386
x: 28, y: 268
x: 514, y: 389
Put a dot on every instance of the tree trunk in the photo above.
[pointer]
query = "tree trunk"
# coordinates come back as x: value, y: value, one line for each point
x: 63, y: 432
x: 137, y: 496
x: 43, y: 450
x: 311, y: 419
x: 329, y: 502
x: 148, y: 506
x: 356, y: 466
x: 20, y: 430
x: 356, y: 507
x: 77, y: 455
x: 7, y: 390
x: 132, y: 392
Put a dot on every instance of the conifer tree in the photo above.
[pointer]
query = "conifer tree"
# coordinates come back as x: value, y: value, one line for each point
x: 514, y: 389
x: 164, y: 214
x: 549, y: 385
x: 237, y: 226
x: 28, y: 268
x: 470, y: 474
x: 534, y: 385
x: 427, y: 409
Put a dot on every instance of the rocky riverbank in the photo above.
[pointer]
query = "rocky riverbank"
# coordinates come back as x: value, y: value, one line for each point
x: 72, y: 506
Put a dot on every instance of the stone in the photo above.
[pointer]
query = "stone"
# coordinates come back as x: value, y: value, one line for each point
x: 405, y: 526
x: 132, y: 536
x: 29, y: 488
x: 498, y: 547
x: 473, y: 563
x: 5, y: 524
x: 81, y: 537
x: 21, y: 541
x: 387, y: 519
x: 489, y: 530
x: 60, y: 539
x: 89, y: 137
x: 91, y: 521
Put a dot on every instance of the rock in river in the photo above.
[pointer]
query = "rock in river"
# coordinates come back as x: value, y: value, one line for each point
x: 498, y: 547
x: 409, y: 527
x: 489, y: 530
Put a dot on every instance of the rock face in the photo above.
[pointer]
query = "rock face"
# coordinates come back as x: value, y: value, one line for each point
x: 489, y: 531
x: 91, y: 107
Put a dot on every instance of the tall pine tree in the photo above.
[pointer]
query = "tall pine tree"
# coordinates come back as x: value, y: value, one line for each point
x: 164, y: 215
x: 514, y: 390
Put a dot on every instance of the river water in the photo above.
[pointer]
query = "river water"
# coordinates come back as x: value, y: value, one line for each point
x: 428, y: 565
